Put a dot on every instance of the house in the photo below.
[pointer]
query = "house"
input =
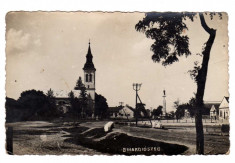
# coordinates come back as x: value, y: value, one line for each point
x: 127, y: 112
x: 210, y: 109
x: 214, y: 111
x: 224, y: 109
x: 114, y: 111
x: 123, y: 112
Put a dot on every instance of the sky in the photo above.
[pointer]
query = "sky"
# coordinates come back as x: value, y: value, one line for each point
x: 47, y: 50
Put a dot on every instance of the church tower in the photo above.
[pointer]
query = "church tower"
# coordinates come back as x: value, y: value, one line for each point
x: 89, y: 75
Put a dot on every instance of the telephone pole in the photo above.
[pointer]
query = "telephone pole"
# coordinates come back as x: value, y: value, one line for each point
x: 136, y: 88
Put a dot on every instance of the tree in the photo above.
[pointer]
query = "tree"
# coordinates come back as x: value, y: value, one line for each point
x: 76, y: 106
x: 89, y: 106
x: 157, y: 112
x: 14, y: 111
x: 79, y: 84
x: 101, y: 106
x: 176, y: 103
x: 191, y: 106
x: 50, y: 93
x: 172, y: 114
x: 181, y: 107
x: 35, y: 104
x: 84, y: 100
x: 171, y: 43
x: 71, y: 95
x: 180, y: 111
x: 52, y: 111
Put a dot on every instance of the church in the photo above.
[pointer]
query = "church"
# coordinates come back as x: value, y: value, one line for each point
x: 89, y: 74
x: 62, y: 96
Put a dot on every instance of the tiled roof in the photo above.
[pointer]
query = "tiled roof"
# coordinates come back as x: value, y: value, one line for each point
x: 114, y: 109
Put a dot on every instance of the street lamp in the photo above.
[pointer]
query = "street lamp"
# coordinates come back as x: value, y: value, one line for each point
x: 136, y: 88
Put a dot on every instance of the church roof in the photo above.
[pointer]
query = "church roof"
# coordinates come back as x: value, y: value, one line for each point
x: 224, y: 103
x: 114, y: 109
x: 227, y: 98
x: 89, y: 64
x: 64, y: 93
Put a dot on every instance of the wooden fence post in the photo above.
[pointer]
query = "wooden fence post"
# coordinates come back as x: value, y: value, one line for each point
x: 9, y: 137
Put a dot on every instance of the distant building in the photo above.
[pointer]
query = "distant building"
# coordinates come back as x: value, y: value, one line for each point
x: 114, y: 111
x: 208, y: 109
x: 123, y: 112
x: 62, y: 99
x: 186, y: 113
x: 214, y: 111
x: 224, y: 109
x: 127, y: 111
x: 218, y: 109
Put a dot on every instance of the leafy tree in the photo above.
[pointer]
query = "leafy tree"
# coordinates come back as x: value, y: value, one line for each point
x: 101, y: 106
x: 171, y: 114
x: 14, y: 111
x: 35, y: 104
x: 181, y: 107
x: 166, y: 29
x: 176, y: 103
x: 191, y: 106
x: 180, y: 110
x: 158, y: 111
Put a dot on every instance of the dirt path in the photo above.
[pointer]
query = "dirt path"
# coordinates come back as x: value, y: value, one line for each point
x: 41, y: 138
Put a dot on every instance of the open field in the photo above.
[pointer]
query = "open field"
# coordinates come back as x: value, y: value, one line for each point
x: 40, y: 137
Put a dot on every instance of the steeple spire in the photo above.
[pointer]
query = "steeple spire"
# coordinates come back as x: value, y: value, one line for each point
x: 89, y: 64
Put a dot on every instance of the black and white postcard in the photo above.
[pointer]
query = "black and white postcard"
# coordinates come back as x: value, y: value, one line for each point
x: 117, y: 83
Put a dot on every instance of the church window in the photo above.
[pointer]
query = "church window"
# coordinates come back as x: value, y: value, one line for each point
x: 86, y: 77
x: 90, y: 77
x: 88, y: 86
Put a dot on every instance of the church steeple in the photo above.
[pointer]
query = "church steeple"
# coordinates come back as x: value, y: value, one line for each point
x: 89, y: 63
x: 89, y: 78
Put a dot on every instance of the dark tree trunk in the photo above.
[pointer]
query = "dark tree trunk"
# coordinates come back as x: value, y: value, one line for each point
x: 201, y: 82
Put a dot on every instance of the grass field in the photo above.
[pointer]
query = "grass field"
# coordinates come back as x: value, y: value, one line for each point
x: 40, y: 138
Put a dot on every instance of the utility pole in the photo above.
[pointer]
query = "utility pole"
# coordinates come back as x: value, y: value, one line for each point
x: 136, y: 88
